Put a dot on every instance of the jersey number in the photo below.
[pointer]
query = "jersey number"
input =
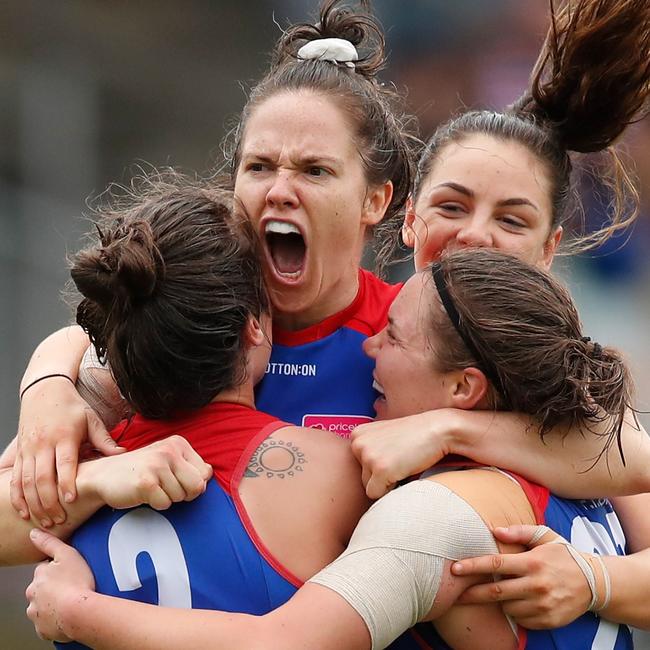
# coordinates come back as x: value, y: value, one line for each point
x: 147, y: 531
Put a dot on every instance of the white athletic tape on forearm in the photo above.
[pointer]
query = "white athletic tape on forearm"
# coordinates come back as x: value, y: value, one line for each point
x: 391, y: 571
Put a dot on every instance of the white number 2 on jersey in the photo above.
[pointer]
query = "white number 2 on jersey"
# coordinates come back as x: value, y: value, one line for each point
x: 147, y: 531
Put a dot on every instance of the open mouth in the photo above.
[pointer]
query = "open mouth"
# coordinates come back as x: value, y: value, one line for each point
x: 378, y: 387
x: 287, y: 248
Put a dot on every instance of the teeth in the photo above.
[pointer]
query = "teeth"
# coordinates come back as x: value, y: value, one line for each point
x: 281, y: 228
x: 377, y: 387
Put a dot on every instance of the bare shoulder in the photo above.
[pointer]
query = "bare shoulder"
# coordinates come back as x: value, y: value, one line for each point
x: 302, y: 489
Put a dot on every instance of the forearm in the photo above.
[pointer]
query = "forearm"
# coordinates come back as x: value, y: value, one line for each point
x: 90, y: 619
x: 314, y: 619
x: 630, y: 577
x: 563, y: 461
x: 61, y: 352
x: 15, y: 545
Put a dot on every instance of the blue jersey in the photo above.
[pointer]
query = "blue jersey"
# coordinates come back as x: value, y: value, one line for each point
x: 202, y: 554
x: 320, y: 377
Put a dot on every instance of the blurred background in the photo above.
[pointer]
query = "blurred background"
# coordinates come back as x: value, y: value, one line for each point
x: 92, y: 89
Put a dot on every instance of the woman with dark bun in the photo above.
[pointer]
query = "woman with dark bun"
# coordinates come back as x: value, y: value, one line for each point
x: 477, y: 330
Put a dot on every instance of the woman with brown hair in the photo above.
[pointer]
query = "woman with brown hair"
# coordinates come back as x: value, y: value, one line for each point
x: 283, y: 198
x: 478, y: 330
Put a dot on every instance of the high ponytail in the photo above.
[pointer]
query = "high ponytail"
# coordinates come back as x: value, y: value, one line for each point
x: 591, y: 80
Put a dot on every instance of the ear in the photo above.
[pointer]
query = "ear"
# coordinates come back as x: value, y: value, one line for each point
x: 376, y: 203
x: 550, y: 247
x: 468, y: 389
x: 408, y: 234
x: 253, y: 333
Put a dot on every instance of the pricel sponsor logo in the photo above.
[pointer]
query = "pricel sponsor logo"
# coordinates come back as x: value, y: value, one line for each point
x: 341, y: 425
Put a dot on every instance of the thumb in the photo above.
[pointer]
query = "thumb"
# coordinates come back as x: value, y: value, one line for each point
x: 100, y: 438
x: 47, y: 543
x: 526, y: 534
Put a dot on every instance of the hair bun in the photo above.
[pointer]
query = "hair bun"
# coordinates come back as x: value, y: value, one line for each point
x: 124, y: 268
x: 358, y: 27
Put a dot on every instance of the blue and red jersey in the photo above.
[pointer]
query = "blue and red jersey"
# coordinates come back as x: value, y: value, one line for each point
x: 319, y: 376
x: 200, y: 554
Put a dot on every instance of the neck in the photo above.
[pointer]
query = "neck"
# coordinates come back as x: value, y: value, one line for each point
x: 242, y: 394
x: 341, y: 295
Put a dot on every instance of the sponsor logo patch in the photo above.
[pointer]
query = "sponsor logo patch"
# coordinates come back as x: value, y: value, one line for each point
x: 341, y: 425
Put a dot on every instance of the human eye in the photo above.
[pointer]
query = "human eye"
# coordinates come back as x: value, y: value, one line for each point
x: 451, y: 209
x: 316, y: 171
x: 512, y: 222
x: 256, y: 166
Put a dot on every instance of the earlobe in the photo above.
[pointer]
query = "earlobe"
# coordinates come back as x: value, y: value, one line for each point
x: 551, y: 246
x: 470, y: 388
x: 254, y: 333
x: 408, y: 234
x: 376, y: 204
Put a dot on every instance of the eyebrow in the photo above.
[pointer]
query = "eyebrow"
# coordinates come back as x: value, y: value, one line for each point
x: 461, y: 189
x: 301, y: 161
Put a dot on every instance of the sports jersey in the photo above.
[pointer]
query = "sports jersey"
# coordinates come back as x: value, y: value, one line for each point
x: 592, y: 526
x: 199, y: 554
x: 319, y: 376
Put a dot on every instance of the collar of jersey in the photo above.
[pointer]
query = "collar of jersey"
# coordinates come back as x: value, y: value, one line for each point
x: 325, y: 327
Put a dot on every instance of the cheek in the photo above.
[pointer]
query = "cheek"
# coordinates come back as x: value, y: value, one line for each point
x: 431, y: 238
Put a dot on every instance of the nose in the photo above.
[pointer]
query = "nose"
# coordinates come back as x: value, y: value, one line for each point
x: 475, y: 233
x: 372, y: 344
x: 282, y: 191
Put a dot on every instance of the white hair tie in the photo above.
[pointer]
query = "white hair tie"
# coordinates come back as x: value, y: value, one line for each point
x: 336, y: 50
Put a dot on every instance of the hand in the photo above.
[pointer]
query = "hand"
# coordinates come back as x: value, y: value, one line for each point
x: 392, y: 450
x: 165, y: 472
x: 54, y: 421
x: 544, y: 588
x: 57, y: 584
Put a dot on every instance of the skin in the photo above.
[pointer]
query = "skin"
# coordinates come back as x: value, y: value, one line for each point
x: 296, y: 198
x: 483, y: 192
x: 310, y: 176
x: 63, y: 604
x: 488, y: 192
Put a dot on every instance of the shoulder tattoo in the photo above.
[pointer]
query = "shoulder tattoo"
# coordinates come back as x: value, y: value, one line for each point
x: 275, y: 459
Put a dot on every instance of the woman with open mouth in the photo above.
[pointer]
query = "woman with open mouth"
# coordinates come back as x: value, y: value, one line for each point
x: 314, y: 182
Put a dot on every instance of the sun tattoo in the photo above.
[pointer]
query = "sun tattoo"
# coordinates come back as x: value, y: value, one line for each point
x: 275, y: 459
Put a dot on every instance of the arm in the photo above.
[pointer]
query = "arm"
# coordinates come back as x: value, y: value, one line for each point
x: 54, y: 421
x: 64, y: 606
x: 392, y: 450
x: 159, y: 474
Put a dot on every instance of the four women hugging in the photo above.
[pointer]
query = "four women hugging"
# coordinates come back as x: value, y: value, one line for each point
x: 480, y: 356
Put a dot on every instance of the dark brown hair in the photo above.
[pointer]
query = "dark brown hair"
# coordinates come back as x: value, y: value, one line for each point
x: 168, y: 289
x: 591, y: 80
x: 385, y: 135
x: 525, y: 329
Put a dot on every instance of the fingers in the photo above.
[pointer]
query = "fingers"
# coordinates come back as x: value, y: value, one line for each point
x: 99, y: 436
x: 526, y: 534
x: 49, y: 545
x: 16, y: 493
x: 507, y: 564
x: 377, y: 487
x: 66, y: 460
x: 43, y: 495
